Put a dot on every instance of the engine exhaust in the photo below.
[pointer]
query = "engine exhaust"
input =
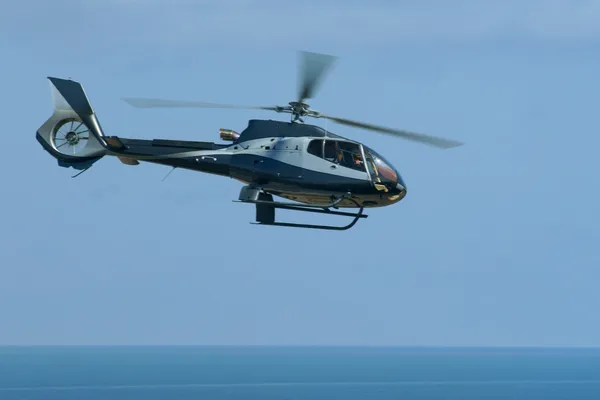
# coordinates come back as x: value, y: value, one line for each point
x: 229, y: 135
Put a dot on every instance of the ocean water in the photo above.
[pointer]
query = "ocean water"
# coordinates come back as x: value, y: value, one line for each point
x: 182, y: 373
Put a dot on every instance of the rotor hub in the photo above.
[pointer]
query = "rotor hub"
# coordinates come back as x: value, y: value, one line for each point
x: 298, y: 110
x: 299, y: 106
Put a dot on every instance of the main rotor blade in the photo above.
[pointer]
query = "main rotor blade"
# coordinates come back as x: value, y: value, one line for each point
x: 417, y: 137
x: 313, y: 67
x: 142, y: 102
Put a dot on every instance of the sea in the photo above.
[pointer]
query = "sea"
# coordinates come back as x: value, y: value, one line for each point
x: 294, y: 373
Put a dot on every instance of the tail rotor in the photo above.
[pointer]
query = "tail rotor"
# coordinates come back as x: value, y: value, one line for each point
x: 70, y: 136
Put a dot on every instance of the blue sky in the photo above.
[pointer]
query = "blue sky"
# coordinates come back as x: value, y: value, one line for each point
x: 495, y: 244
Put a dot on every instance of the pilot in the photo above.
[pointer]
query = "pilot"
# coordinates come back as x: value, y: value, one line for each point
x: 357, y: 160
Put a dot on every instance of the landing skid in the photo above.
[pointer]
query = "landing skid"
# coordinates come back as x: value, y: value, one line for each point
x: 265, y: 210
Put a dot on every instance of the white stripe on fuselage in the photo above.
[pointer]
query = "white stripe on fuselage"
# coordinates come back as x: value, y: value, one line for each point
x: 280, y: 149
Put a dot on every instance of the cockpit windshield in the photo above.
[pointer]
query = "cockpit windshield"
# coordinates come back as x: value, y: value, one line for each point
x: 380, y: 169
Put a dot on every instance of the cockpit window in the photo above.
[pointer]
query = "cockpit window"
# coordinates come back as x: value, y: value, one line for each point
x: 351, y: 156
x: 346, y: 154
x: 381, y: 170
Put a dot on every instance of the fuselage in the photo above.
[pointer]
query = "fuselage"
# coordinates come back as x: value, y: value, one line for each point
x: 307, y: 169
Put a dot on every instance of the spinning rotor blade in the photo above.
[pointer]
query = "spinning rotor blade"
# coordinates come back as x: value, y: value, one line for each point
x: 416, y: 137
x: 141, y: 102
x: 313, y: 67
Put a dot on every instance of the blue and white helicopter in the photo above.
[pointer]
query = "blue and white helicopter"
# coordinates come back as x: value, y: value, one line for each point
x: 317, y: 170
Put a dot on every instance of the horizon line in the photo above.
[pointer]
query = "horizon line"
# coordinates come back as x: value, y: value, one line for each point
x: 373, y: 346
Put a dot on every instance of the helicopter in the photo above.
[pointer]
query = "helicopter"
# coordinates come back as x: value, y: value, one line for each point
x: 314, y: 169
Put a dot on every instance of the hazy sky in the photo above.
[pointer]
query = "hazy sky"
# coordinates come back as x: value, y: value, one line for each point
x: 497, y: 242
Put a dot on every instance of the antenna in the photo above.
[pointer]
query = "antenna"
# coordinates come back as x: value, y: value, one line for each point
x: 81, y: 172
x: 166, y: 176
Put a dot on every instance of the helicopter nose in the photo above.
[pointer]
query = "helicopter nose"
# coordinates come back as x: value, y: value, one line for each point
x: 397, y: 193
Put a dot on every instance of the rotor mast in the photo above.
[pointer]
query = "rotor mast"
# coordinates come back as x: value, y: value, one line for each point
x: 298, y: 110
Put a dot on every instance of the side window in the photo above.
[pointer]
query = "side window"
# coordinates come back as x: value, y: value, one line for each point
x: 315, y: 148
x: 331, y: 151
x: 351, y: 156
x: 346, y: 154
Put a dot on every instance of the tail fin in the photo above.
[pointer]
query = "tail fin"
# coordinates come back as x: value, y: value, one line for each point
x: 72, y: 135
